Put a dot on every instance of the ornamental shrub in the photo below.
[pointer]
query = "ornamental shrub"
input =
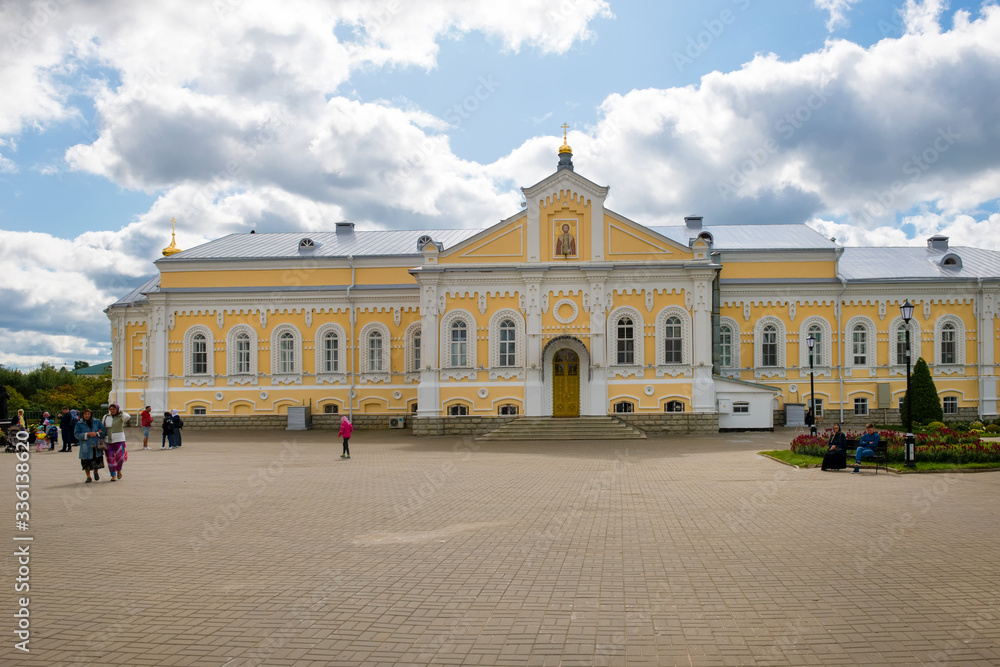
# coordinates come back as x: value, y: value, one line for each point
x: 936, y: 426
x: 926, y: 402
x: 992, y: 428
x: 977, y: 425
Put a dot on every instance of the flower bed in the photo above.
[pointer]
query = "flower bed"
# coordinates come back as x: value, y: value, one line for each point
x: 941, y: 446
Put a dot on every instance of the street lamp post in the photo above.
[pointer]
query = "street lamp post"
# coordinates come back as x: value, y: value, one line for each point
x: 811, y: 343
x: 909, y: 441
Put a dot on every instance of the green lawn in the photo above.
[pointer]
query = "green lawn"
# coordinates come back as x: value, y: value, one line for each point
x: 794, y: 459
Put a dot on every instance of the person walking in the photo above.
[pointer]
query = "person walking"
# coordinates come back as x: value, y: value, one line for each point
x: 167, y: 426
x: 114, y: 426
x: 66, y: 427
x: 88, y: 433
x: 178, y: 425
x: 346, y: 428
x: 146, y: 420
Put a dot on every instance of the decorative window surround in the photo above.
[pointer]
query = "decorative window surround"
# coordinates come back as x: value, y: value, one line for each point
x: 958, y: 366
x: 370, y: 374
x: 233, y: 374
x: 639, y: 342
x: 468, y: 371
x: 663, y: 368
x: 338, y: 375
x: 897, y: 364
x: 871, y: 346
x: 822, y: 365
x: 277, y: 376
x: 761, y: 371
x: 410, y: 339
x: 507, y: 372
x: 733, y: 370
x: 208, y: 377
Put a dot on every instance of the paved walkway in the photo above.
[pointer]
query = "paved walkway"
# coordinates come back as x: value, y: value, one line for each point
x: 269, y: 549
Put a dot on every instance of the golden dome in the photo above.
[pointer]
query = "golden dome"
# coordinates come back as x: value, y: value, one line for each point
x: 565, y: 147
x: 172, y: 249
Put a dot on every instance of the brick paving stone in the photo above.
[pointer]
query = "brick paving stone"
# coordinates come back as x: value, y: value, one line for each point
x: 250, y: 548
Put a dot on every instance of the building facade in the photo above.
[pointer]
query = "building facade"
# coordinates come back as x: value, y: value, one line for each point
x: 565, y: 308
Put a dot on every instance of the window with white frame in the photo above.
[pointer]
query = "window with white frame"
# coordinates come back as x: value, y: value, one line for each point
x: 412, y: 350
x: 673, y: 340
x: 819, y: 354
x: 861, y: 351
x: 241, y: 353
x: 624, y: 406
x: 458, y: 410
x: 458, y: 345
x: 198, y: 356
x: 286, y: 355
x: 507, y: 409
x: 674, y: 406
x: 949, y: 405
x: 817, y: 405
x: 458, y: 336
x: 331, y: 409
x: 625, y: 339
x: 769, y: 346
x: 741, y: 408
x: 725, y: 347
x: 897, y: 342
x: 815, y: 353
x: 859, y: 345
x: 949, y: 342
x: 901, y: 345
x: 860, y: 407
x: 375, y: 349
x: 331, y: 352
x: 508, y: 338
x: 416, y: 350
x: 199, y: 410
x: 241, y: 350
x: 374, y: 354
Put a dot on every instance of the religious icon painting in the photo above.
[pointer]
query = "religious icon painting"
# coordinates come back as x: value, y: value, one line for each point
x: 565, y: 239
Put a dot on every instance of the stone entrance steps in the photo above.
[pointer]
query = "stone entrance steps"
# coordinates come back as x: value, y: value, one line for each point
x: 564, y: 428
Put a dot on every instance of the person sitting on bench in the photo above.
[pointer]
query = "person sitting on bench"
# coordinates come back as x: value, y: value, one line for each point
x: 866, y: 448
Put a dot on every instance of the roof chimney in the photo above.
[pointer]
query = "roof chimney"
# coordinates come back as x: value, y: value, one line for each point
x: 345, y: 227
x: 693, y: 223
x: 937, y: 242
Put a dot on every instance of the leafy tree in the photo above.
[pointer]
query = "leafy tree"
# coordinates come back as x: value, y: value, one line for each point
x: 77, y: 365
x: 926, y: 402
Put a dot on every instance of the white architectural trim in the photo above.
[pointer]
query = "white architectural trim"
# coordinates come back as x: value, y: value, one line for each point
x: 662, y: 367
x: 871, y: 345
x: 958, y: 365
x: 548, y: 353
x: 370, y: 374
x: 823, y: 360
x: 472, y: 340
x: 760, y: 370
x: 412, y: 372
x: 339, y: 372
x: 190, y: 379
x: 733, y: 369
x: 638, y: 338
x: 277, y: 375
x: 233, y: 376
x: 897, y: 365
x: 506, y: 372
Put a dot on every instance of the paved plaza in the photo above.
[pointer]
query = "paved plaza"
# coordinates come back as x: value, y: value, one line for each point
x: 267, y: 548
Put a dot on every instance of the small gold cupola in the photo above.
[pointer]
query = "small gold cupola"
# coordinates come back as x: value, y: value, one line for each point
x: 565, y: 152
x: 172, y: 249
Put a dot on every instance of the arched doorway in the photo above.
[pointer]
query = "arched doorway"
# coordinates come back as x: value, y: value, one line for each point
x: 565, y: 383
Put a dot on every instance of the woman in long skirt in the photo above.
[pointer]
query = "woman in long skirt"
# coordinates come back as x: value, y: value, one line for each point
x: 114, y: 424
x: 88, y: 432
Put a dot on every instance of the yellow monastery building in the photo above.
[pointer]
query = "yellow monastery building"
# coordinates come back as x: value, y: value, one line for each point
x: 566, y: 308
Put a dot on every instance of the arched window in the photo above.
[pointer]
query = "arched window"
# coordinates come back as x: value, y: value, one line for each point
x: 416, y: 350
x: 331, y: 352
x: 412, y: 351
x: 673, y: 351
x: 901, y: 345
x: 241, y: 355
x: 769, y: 346
x: 859, y: 345
x: 375, y: 359
x: 508, y: 336
x: 947, y: 344
x: 626, y: 341
x: 624, y: 406
x: 286, y: 361
x: 459, y: 344
x: 241, y: 352
x: 458, y: 410
x: 286, y: 352
x: 725, y: 347
x: 816, y: 352
x: 674, y: 406
x: 199, y: 354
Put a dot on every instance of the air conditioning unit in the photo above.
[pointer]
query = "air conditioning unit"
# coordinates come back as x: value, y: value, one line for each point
x: 397, y: 422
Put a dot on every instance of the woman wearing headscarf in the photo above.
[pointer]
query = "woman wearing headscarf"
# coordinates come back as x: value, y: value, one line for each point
x: 178, y: 425
x: 88, y: 432
x: 114, y: 424
x: 346, y: 428
x: 836, y: 453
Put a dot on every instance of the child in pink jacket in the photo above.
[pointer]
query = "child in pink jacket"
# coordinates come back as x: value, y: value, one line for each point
x: 346, y: 428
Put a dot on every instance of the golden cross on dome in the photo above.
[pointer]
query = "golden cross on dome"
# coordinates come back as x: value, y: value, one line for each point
x: 173, y: 225
x: 565, y: 127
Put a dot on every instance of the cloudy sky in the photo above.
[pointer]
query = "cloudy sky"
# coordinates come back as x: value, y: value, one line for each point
x: 877, y: 122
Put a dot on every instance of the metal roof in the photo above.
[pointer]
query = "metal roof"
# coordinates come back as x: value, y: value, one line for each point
x: 138, y: 295
x: 325, y: 244
x: 752, y: 237
x: 915, y: 262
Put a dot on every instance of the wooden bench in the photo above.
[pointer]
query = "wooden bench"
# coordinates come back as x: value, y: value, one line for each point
x: 878, y: 459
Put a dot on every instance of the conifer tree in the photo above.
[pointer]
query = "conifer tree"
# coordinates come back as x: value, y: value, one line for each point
x: 926, y: 402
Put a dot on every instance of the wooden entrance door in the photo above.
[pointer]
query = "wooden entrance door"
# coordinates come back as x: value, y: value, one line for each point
x: 566, y: 384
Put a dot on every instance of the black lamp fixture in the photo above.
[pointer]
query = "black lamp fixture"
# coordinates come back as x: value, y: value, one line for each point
x: 909, y: 440
x: 811, y: 343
